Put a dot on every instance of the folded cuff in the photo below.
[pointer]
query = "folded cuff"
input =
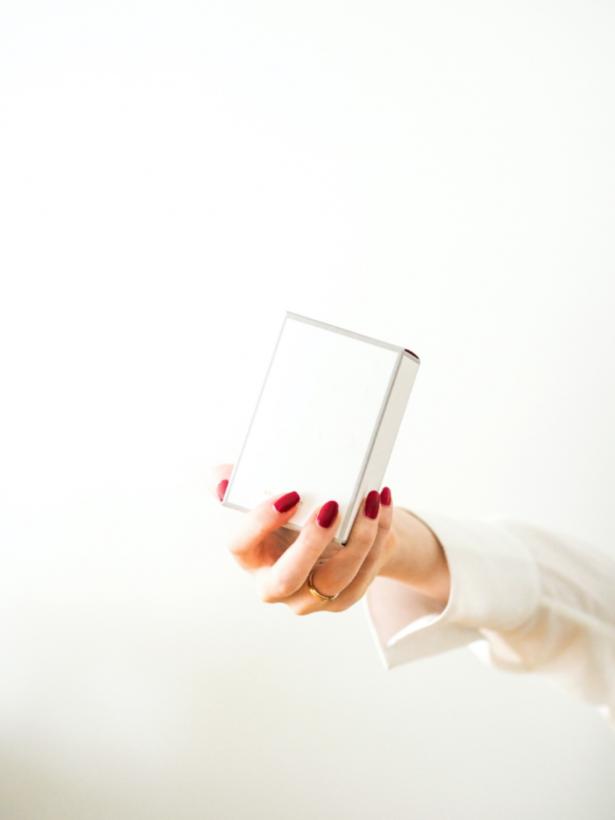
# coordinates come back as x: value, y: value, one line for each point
x: 495, y: 585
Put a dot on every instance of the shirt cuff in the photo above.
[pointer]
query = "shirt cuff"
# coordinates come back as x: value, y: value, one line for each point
x: 495, y: 585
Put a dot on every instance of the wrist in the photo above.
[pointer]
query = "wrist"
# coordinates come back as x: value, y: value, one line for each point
x: 417, y: 557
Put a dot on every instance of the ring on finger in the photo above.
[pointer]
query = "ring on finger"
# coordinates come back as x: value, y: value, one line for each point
x: 316, y: 593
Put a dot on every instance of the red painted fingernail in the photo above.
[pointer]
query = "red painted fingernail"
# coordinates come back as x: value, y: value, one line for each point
x: 286, y: 501
x: 327, y: 514
x: 372, y: 504
x: 221, y: 488
x: 385, y: 496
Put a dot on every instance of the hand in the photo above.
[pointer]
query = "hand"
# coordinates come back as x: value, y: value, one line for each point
x: 419, y: 561
x: 282, y: 559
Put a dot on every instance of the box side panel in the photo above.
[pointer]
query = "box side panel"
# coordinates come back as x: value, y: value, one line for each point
x: 385, y: 437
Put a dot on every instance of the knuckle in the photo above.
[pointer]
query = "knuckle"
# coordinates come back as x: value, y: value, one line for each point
x: 372, y: 532
x: 385, y: 523
x: 283, y: 587
x: 365, y: 538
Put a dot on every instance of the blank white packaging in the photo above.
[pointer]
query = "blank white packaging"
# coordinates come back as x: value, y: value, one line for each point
x: 325, y: 421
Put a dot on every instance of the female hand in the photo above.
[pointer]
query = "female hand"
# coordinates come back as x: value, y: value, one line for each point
x: 282, y: 559
x: 383, y: 541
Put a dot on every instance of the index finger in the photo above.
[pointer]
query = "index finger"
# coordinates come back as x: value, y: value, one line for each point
x: 293, y: 567
x: 262, y: 520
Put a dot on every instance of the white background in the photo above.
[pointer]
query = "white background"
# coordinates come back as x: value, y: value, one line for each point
x: 173, y: 176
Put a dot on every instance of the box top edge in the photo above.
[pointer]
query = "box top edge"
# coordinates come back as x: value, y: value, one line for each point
x: 335, y: 328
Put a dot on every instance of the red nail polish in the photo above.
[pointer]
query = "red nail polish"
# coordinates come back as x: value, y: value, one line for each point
x: 327, y: 514
x: 372, y: 504
x: 385, y: 496
x: 286, y: 501
x: 221, y: 488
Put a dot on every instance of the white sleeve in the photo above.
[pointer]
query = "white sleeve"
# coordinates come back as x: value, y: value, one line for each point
x: 522, y: 599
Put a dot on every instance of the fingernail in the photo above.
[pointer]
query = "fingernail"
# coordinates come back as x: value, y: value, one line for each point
x: 385, y: 496
x: 372, y: 504
x: 221, y: 489
x: 286, y: 501
x: 327, y: 514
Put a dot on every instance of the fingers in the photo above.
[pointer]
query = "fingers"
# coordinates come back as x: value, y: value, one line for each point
x: 337, y: 573
x: 261, y: 521
x: 283, y: 569
x: 252, y: 542
x: 218, y: 483
x: 368, y: 570
x: 292, y: 568
x: 304, y: 603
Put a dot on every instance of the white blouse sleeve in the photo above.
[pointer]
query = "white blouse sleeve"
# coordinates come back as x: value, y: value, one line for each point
x: 522, y: 599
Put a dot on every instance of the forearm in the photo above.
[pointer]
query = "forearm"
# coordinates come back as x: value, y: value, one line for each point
x: 417, y: 558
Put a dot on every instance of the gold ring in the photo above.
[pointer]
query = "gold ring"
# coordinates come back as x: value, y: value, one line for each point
x: 316, y: 593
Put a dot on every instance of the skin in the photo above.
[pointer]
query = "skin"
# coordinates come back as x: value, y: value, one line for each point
x: 396, y: 544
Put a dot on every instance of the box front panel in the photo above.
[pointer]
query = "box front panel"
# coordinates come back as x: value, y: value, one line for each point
x: 314, y: 420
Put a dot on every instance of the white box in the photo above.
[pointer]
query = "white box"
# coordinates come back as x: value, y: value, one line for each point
x: 325, y: 422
